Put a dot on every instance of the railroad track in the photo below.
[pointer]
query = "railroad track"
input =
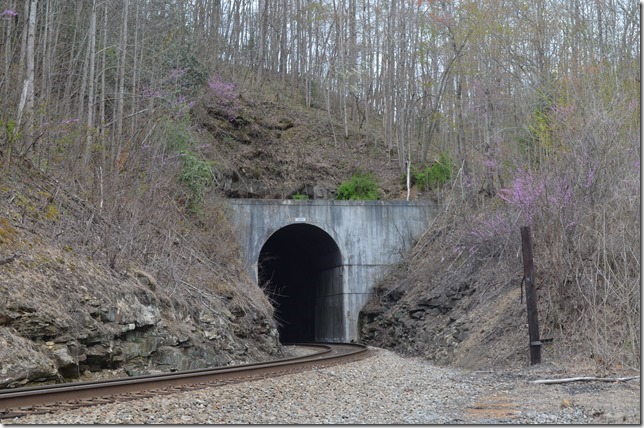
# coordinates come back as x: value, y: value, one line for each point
x: 32, y: 400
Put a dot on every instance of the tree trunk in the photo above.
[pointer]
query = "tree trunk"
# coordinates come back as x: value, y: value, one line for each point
x: 103, y: 69
x: 120, y: 94
x: 263, y: 30
x: 90, y: 97
x: 25, y: 34
x: 28, y: 89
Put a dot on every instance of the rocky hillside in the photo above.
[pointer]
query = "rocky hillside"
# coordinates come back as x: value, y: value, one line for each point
x: 458, y: 300
x: 277, y: 149
x: 65, y: 314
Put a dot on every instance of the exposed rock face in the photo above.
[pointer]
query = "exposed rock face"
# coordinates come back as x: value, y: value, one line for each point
x: 455, y: 324
x: 434, y: 325
x: 28, y: 361
x: 131, y: 330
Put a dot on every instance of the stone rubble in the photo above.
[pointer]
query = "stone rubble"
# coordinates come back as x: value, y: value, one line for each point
x: 383, y: 389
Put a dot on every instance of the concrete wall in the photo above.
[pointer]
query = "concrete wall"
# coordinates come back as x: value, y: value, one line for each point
x: 371, y: 236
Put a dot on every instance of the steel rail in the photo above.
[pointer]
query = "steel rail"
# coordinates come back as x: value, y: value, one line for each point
x: 20, y: 401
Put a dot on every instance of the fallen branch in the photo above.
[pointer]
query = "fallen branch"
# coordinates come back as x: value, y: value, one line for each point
x: 590, y: 378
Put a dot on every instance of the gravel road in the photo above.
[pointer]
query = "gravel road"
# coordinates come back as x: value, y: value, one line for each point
x: 383, y: 389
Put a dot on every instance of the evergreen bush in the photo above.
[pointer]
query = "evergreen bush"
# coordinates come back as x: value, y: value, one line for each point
x: 359, y: 187
x: 435, y: 175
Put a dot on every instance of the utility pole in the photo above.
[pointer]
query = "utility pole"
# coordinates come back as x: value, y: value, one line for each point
x: 531, y: 296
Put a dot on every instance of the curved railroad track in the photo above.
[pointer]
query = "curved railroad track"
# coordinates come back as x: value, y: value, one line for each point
x: 31, y: 400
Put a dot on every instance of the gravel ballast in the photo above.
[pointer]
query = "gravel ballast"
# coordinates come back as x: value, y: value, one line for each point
x: 383, y: 389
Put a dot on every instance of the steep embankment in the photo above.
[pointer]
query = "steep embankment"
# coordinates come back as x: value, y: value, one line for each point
x: 65, y: 312
x: 451, y: 308
x: 457, y: 298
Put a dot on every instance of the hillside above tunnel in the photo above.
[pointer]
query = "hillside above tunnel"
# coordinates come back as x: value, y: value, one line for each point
x: 281, y: 150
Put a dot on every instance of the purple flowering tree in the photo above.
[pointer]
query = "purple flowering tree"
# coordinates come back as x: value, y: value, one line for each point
x: 224, y: 94
x: 8, y: 13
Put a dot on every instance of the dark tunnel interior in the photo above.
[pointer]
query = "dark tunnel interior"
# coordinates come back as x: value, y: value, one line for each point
x: 295, y: 268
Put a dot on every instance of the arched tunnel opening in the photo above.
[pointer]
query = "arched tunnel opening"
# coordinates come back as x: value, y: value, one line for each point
x: 300, y: 270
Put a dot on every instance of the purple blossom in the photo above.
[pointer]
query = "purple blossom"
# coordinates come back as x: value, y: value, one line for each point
x: 490, y: 164
x: 525, y: 193
x: 530, y: 195
x: 559, y: 194
x: 590, y: 176
x: 177, y: 73
x: 224, y: 94
x: 9, y: 13
x: 222, y: 90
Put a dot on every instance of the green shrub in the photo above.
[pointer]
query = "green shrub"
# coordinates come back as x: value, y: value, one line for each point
x: 177, y: 135
x: 433, y: 176
x: 360, y: 187
x: 300, y: 197
x: 197, y: 175
x: 11, y: 134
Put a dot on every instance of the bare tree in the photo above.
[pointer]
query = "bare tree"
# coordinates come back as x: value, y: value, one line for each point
x: 90, y: 104
x: 120, y: 92
x: 26, y: 107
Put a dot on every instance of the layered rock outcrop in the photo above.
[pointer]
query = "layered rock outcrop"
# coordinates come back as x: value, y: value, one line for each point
x: 89, y: 320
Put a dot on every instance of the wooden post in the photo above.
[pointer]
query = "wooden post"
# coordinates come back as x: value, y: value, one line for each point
x: 531, y: 296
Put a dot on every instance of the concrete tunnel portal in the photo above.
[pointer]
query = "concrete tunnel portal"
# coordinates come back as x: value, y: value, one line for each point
x: 300, y: 270
x: 320, y: 259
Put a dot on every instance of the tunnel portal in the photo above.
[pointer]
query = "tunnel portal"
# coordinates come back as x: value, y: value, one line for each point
x: 321, y: 258
x: 300, y: 270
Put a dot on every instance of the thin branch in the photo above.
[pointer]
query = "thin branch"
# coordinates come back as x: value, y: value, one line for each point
x: 589, y: 378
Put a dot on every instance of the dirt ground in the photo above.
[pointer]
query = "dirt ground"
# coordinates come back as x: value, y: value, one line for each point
x: 515, y: 393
